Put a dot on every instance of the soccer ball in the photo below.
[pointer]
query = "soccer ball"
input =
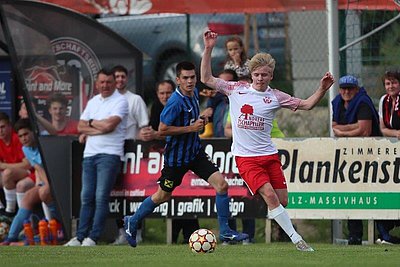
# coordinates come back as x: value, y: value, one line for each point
x: 202, y: 241
x: 5, y: 223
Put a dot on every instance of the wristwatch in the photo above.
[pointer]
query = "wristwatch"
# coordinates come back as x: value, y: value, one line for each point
x: 90, y: 123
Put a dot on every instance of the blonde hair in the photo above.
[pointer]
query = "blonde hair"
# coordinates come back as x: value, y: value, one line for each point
x: 260, y: 60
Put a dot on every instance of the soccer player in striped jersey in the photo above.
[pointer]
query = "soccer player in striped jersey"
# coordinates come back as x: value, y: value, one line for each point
x: 180, y: 122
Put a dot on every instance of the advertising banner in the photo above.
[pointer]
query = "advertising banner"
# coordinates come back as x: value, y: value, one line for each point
x: 135, y: 7
x: 54, y: 59
x: 57, y: 51
x: 342, y: 178
x: 144, y: 161
x: 5, y: 87
x: 327, y: 178
x: 194, y: 197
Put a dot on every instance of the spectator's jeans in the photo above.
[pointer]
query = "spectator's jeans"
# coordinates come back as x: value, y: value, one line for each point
x: 99, y: 173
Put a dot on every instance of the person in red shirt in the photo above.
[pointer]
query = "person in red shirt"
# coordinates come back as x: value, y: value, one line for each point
x: 16, y: 176
x: 61, y: 123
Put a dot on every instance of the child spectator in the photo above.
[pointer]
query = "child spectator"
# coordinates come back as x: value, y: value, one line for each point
x: 236, y: 56
x: 217, y: 107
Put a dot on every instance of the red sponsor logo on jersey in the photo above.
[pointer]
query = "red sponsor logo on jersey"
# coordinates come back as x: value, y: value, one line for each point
x: 247, y: 120
x: 247, y: 110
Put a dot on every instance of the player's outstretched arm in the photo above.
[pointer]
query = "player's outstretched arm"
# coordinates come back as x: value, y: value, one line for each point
x: 209, y: 39
x: 324, y: 85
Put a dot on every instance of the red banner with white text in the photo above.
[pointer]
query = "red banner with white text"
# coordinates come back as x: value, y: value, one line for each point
x: 144, y: 161
x: 135, y: 7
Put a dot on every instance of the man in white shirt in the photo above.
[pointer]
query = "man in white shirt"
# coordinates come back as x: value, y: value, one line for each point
x: 103, y: 127
x: 137, y: 129
x: 138, y: 119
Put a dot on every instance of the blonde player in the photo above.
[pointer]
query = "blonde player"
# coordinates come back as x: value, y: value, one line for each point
x: 252, y: 110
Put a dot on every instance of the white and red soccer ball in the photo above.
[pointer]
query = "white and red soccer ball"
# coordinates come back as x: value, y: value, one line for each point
x: 202, y: 241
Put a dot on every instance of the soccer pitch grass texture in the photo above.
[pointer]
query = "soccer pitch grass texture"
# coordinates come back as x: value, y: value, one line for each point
x: 275, y: 254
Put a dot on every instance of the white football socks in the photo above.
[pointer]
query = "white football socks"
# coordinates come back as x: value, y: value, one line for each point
x: 20, y: 196
x: 280, y: 215
x: 11, y: 199
x: 46, y: 212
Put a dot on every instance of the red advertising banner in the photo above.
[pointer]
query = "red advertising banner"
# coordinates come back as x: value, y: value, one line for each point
x: 144, y: 161
x: 193, y: 198
x: 134, y: 7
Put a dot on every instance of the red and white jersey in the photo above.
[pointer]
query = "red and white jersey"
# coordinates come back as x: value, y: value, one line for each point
x: 252, y: 113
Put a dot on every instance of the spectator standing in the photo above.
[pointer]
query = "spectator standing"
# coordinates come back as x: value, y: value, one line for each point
x: 40, y: 193
x: 164, y: 90
x: 389, y: 105
x: 389, y: 119
x: 236, y: 56
x: 252, y: 109
x: 236, y: 66
x: 137, y: 129
x: 354, y: 115
x: 217, y: 107
x: 138, y: 118
x: 16, y: 175
x: 180, y: 122
x: 103, y: 128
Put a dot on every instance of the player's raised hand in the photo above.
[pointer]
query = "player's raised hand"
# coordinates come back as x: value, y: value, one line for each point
x: 327, y: 81
x: 209, y: 38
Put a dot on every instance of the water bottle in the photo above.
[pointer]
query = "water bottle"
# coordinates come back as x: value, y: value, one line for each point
x: 28, y: 231
x: 43, y: 232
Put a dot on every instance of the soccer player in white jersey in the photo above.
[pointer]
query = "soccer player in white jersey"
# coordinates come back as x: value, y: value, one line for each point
x: 252, y: 109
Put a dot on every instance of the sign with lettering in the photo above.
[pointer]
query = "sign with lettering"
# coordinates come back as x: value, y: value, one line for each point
x: 192, y: 207
x: 194, y: 197
x: 342, y: 178
x: 327, y: 178
x: 144, y: 161
x: 5, y: 87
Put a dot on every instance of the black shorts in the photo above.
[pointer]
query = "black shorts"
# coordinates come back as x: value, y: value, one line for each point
x: 202, y: 166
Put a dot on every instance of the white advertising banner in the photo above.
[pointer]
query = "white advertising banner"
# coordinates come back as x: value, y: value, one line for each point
x: 342, y: 178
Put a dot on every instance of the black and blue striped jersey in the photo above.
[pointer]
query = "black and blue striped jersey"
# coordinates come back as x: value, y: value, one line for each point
x: 181, y: 110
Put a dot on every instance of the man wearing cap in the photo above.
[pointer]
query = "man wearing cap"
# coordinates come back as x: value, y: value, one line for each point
x: 354, y: 114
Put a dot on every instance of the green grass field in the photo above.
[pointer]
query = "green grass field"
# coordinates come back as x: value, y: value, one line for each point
x: 275, y: 254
